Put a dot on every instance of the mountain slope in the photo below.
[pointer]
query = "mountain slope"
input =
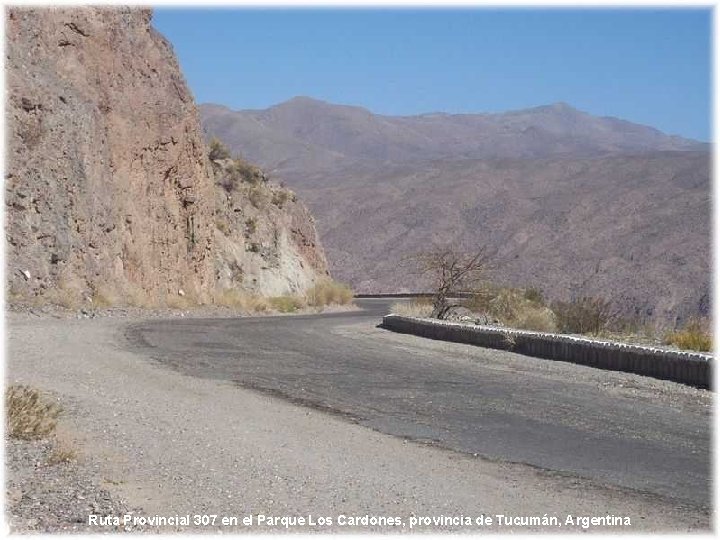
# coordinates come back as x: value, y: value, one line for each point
x: 109, y: 191
x: 566, y: 202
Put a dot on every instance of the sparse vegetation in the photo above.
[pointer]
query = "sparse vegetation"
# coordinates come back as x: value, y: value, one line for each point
x: 61, y: 453
x: 534, y: 295
x: 325, y: 293
x: 137, y: 297
x: 66, y: 294
x: 280, y: 197
x: 218, y: 150
x: 451, y: 271
x: 241, y: 300
x: 258, y: 196
x: 418, y: 307
x: 242, y: 171
x: 328, y: 292
x: 250, y: 226
x: 694, y: 336
x: 103, y: 297
x: 585, y: 315
x: 28, y: 415
x: 222, y: 226
x: 513, y: 307
x: 180, y: 301
x: 287, y: 303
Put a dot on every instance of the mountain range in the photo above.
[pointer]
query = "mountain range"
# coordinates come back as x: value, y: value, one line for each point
x: 564, y: 201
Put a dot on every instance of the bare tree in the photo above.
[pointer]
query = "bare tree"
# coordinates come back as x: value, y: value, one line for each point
x: 451, y: 271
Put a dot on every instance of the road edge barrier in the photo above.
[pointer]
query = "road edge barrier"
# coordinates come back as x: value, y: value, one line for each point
x: 687, y: 367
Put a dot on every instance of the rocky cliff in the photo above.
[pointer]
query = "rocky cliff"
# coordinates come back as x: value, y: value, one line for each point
x: 109, y: 191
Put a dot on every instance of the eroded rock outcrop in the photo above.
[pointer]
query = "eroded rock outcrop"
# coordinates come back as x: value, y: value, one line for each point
x: 265, y: 237
x: 109, y: 191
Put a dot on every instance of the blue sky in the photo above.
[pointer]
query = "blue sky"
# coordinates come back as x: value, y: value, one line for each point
x: 647, y: 66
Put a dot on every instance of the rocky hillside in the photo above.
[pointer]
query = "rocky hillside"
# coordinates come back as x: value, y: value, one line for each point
x: 110, y: 195
x: 566, y: 202
x: 265, y: 237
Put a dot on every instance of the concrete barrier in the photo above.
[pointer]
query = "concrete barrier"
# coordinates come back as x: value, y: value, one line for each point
x: 691, y: 368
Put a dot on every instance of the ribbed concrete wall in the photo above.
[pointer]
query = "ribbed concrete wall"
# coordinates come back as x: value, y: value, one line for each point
x: 685, y: 367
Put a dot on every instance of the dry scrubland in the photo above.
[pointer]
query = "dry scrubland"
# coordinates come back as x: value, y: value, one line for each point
x: 325, y: 293
x: 527, y: 309
x: 570, y: 202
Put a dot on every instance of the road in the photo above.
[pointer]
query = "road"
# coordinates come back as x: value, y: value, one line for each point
x: 615, y: 429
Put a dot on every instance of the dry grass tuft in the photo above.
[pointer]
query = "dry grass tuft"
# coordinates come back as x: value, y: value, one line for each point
x: 66, y: 294
x: 586, y: 315
x: 175, y: 301
x: 694, y: 336
x: 61, y: 453
x: 328, y: 292
x: 222, y: 226
x: 240, y: 300
x: 27, y: 414
x: 418, y: 307
x: 517, y: 308
x: 103, y: 298
x: 287, y: 303
x: 137, y: 297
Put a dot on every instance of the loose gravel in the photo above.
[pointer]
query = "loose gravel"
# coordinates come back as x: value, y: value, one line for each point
x: 171, y: 444
x: 46, y: 496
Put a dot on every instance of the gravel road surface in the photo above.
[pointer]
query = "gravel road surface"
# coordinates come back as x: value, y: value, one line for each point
x: 328, y: 415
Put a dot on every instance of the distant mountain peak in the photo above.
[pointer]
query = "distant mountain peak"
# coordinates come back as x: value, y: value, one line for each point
x: 559, y: 107
x: 304, y: 99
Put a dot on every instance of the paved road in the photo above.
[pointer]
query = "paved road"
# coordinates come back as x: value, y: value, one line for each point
x: 613, y: 428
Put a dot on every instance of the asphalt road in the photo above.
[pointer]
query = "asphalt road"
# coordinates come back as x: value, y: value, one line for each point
x: 611, y: 428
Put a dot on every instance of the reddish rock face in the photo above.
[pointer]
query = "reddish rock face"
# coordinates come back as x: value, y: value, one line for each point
x: 108, y: 186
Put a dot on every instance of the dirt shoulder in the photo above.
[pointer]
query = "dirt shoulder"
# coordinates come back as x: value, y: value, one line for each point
x: 174, y: 445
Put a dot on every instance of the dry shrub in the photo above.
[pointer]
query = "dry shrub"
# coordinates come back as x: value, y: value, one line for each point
x: 103, y: 297
x: 137, y: 297
x: 27, y: 414
x: 218, y: 150
x: 586, y: 315
x: 535, y: 296
x: 258, y: 196
x: 67, y: 294
x: 280, y: 197
x: 327, y: 292
x: 240, y: 300
x: 539, y: 319
x: 222, y: 226
x: 513, y: 307
x: 287, y: 303
x: 694, y: 336
x: 61, y: 453
x: 418, y: 307
x: 250, y: 226
x: 175, y: 301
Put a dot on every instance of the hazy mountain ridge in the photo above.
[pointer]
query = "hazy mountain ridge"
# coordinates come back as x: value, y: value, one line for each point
x: 567, y: 202
x: 304, y: 128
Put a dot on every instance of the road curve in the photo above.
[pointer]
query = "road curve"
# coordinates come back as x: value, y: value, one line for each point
x: 612, y: 428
